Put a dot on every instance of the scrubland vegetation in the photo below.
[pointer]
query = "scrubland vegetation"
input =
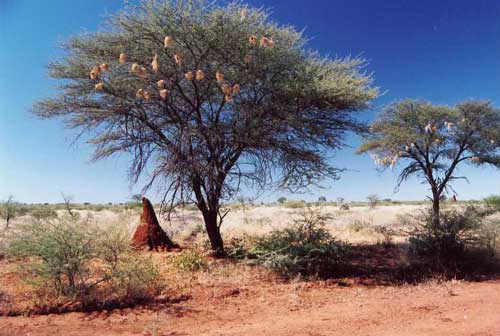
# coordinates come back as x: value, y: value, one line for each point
x: 84, y: 261
x: 204, y: 99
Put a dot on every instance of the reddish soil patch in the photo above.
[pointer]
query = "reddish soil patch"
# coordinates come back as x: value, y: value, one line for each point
x: 233, y: 299
x: 236, y: 300
x: 294, y: 309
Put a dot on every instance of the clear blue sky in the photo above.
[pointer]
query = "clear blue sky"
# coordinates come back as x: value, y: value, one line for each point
x: 443, y: 51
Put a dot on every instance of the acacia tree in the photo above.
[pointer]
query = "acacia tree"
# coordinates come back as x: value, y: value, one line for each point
x: 8, y: 210
x: 432, y: 141
x: 206, y: 97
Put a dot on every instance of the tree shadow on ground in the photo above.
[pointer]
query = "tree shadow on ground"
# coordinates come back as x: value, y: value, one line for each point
x: 160, y: 303
x: 376, y: 265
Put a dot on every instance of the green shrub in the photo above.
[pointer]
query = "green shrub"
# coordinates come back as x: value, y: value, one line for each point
x: 490, y: 235
x: 304, y: 247
x: 136, y: 279
x: 493, y: 202
x: 458, y: 229
x: 238, y: 247
x: 282, y: 200
x: 189, y: 260
x: 43, y: 213
x: 69, y: 259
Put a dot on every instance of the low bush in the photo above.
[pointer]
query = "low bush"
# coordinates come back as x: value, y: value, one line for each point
x: 43, y: 213
x: 387, y: 235
x: 238, y: 247
x: 304, y: 247
x: 358, y: 225
x: 490, y: 235
x: 67, y: 259
x: 493, y: 202
x: 461, y: 229
x: 189, y: 260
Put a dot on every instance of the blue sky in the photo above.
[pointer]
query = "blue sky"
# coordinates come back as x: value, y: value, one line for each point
x: 443, y: 51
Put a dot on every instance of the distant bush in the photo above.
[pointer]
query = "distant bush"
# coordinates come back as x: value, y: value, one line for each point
x: 291, y: 204
x: 43, y: 213
x: 69, y: 259
x: 373, y: 200
x: 322, y: 199
x: 304, y: 247
x: 387, y: 235
x: 493, y: 201
x: 282, y: 200
x: 344, y: 207
x: 189, y: 260
x: 358, y: 225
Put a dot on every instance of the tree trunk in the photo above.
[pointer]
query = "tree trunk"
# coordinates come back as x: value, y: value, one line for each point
x: 436, y: 216
x: 213, y: 231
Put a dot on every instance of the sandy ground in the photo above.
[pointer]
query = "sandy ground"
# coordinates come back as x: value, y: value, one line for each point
x: 231, y: 299
x: 294, y: 309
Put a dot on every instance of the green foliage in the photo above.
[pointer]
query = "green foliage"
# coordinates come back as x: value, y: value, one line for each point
x: 447, y: 242
x: 239, y: 247
x: 411, y: 131
x: 40, y: 213
x: 304, y: 247
x: 136, y: 279
x: 9, y: 209
x: 493, y: 201
x: 490, y: 235
x: 189, y: 260
x: 256, y: 101
x: 282, y: 200
x: 73, y: 259
x: 430, y: 142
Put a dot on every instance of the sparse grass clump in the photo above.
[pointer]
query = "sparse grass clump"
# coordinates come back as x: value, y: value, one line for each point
x: 65, y: 259
x: 304, y: 247
x: 292, y: 204
x: 358, y: 225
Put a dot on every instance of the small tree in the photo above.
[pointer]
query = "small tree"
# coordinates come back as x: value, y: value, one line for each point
x: 8, y: 210
x: 209, y: 97
x: 282, y: 200
x: 373, y: 200
x: 322, y: 199
x: 137, y: 198
x: 431, y: 141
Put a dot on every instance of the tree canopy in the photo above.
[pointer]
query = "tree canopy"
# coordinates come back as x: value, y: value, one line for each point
x: 208, y: 97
